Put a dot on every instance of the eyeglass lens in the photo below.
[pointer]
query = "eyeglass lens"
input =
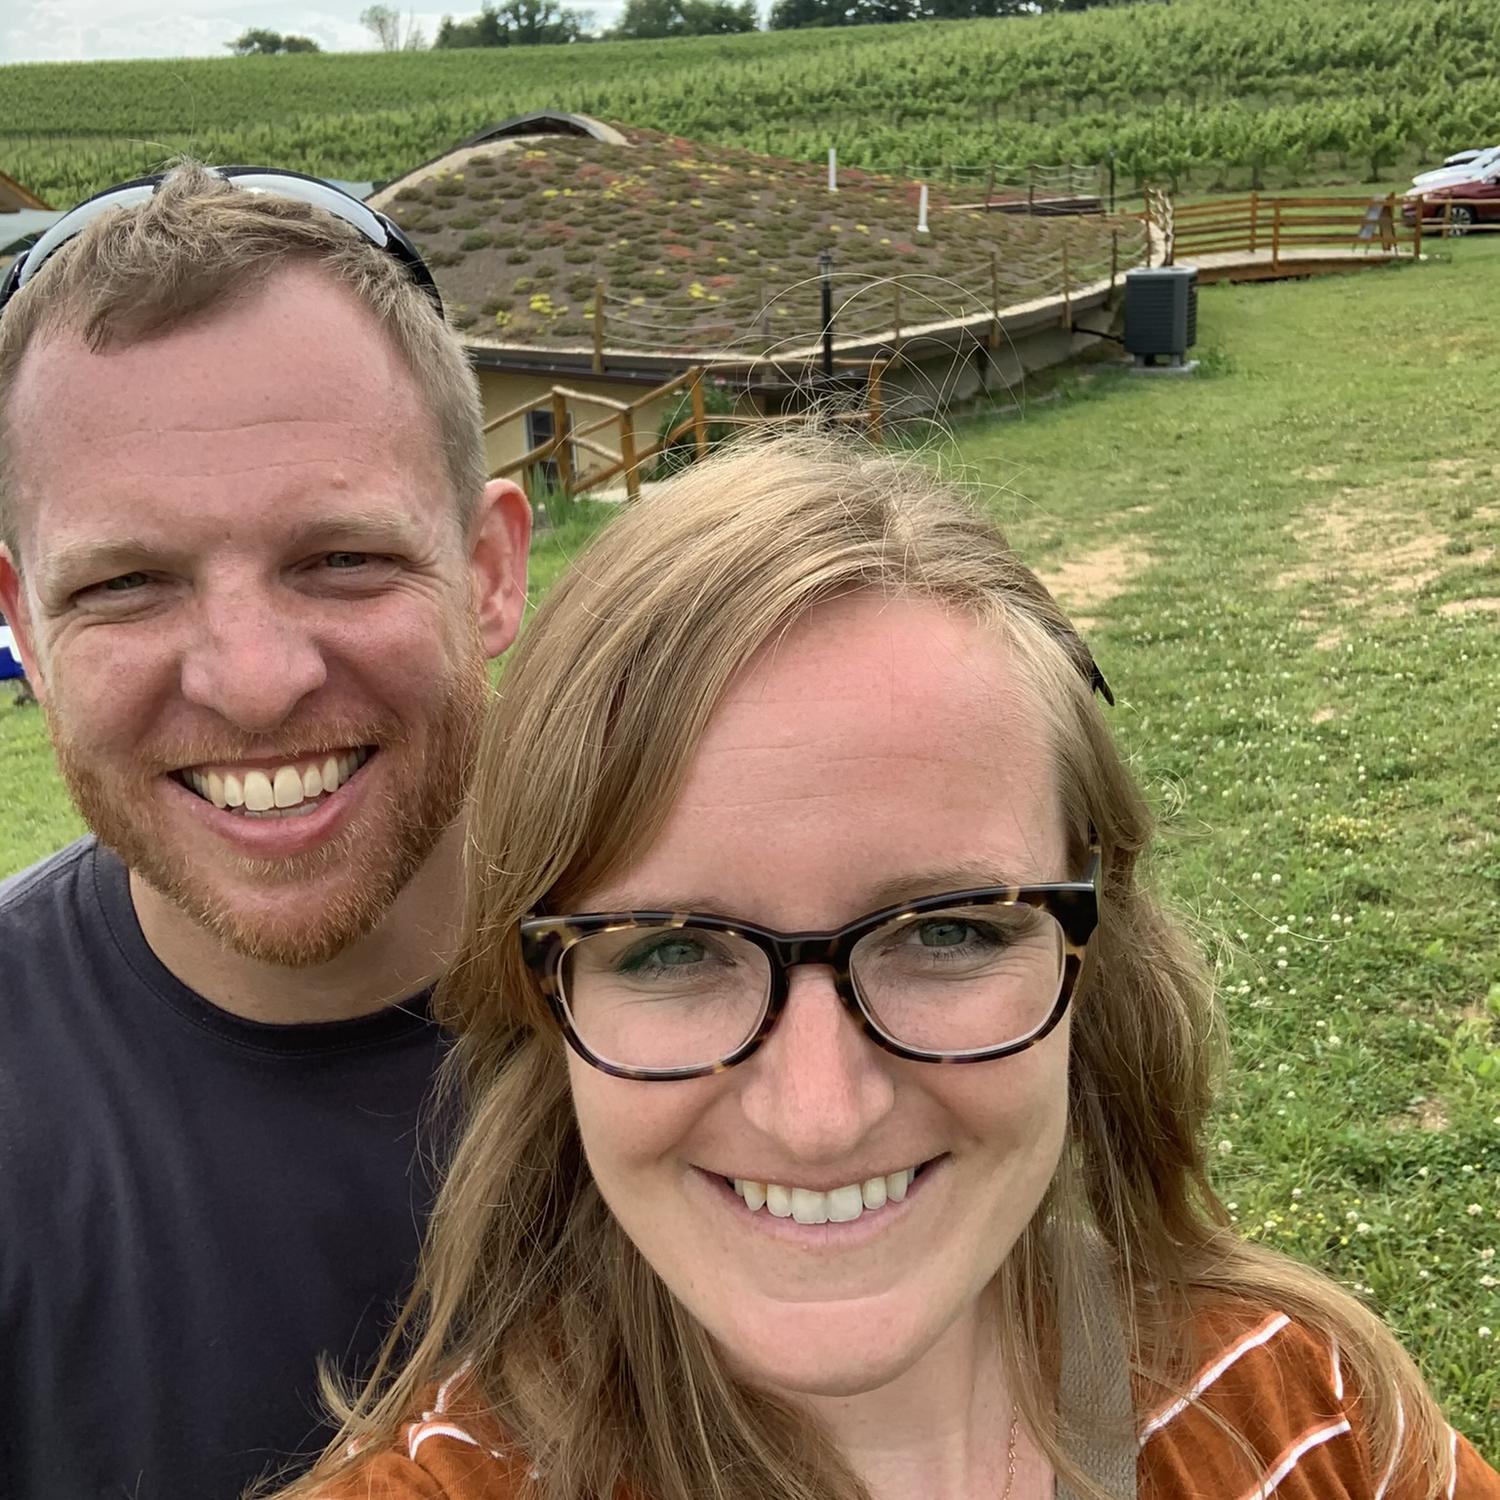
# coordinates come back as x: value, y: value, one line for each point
x: 958, y: 980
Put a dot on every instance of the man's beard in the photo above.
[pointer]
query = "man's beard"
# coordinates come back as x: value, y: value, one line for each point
x: 383, y: 848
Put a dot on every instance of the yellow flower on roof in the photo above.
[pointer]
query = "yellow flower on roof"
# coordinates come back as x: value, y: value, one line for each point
x: 696, y: 202
x: 549, y: 192
x: 636, y: 301
x: 721, y: 260
x: 885, y: 239
x: 534, y: 156
x: 862, y: 228
x: 835, y: 229
x: 659, y: 272
x: 696, y: 290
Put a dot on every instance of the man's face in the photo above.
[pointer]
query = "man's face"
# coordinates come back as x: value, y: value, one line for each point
x: 257, y: 628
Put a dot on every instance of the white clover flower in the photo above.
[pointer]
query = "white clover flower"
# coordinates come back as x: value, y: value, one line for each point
x: 1362, y: 1228
x: 1482, y: 1331
x: 1473, y: 1210
x: 1225, y: 1147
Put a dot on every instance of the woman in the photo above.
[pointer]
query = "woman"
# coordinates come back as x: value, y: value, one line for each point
x: 836, y: 1088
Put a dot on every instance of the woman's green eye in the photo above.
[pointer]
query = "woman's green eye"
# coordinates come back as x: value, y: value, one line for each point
x: 945, y: 934
x: 671, y: 953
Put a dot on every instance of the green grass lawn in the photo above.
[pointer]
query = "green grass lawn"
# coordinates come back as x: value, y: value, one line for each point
x: 1301, y: 537
x: 1289, y: 569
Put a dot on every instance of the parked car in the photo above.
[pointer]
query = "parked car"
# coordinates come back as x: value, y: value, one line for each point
x: 1456, y: 171
x: 1476, y: 201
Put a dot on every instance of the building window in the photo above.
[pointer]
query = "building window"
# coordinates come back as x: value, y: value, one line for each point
x: 539, y: 430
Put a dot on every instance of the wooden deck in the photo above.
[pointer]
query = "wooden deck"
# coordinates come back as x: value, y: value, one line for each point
x: 1260, y: 265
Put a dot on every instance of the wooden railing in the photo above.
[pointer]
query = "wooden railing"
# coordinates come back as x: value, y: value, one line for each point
x: 631, y: 458
x: 1286, y: 228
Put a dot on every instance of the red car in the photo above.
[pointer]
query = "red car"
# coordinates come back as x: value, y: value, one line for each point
x: 1476, y: 202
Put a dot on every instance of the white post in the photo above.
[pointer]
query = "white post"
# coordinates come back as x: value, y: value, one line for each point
x: 833, y: 169
x: 922, y: 211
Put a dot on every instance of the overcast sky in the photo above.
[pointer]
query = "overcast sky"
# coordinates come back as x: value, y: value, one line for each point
x: 74, y: 30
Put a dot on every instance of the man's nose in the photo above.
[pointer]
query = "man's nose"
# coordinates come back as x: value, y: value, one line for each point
x: 818, y: 1085
x: 251, y: 660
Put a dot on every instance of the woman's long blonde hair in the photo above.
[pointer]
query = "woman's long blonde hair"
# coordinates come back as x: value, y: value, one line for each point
x: 588, y: 1364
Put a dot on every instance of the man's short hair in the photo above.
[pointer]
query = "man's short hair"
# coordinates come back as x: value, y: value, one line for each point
x: 197, y: 243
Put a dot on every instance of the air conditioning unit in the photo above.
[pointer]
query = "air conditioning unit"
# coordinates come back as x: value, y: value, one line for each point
x: 1161, y: 313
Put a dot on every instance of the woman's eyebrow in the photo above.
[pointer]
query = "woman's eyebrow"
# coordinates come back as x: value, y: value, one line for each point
x: 892, y: 891
x: 936, y: 880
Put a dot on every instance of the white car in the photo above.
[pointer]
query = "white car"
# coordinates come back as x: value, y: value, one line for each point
x: 1477, y: 165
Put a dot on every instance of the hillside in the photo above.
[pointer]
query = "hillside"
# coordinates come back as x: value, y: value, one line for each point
x: 1200, y: 91
x: 712, y: 248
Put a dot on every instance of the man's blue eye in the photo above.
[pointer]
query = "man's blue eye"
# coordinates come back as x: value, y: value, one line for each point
x: 125, y: 582
x: 346, y: 559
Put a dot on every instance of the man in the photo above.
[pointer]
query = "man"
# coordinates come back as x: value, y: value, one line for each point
x: 254, y: 571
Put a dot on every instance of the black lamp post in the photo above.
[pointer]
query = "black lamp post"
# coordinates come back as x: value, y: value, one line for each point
x: 825, y: 268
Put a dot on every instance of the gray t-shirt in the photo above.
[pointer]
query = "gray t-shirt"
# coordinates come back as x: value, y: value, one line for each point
x: 193, y: 1207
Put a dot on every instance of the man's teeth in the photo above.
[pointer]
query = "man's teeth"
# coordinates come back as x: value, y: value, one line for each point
x: 272, y: 793
x: 839, y: 1206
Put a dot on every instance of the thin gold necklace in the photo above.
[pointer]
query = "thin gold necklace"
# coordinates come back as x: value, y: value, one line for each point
x: 1010, y: 1452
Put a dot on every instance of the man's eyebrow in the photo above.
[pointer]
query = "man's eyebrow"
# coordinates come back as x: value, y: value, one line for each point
x: 103, y: 558
x: 376, y: 527
x: 94, y: 558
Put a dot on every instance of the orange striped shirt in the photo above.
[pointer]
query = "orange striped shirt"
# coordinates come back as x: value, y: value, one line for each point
x: 1277, y: 1383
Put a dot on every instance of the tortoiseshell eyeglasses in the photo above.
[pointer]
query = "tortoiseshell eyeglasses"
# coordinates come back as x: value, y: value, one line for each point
x: 966, y: 976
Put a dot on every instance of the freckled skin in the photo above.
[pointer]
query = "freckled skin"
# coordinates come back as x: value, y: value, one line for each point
x: 239, y: 541
x: 873, y: 740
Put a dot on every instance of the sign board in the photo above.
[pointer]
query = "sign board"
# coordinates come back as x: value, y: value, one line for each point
x: 1378, y: 218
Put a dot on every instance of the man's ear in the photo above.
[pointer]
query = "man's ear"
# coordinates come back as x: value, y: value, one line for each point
x: 500, y: 537
x: 18, y: 617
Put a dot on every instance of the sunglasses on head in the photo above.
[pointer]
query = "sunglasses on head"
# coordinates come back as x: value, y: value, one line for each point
x: 371, y: 225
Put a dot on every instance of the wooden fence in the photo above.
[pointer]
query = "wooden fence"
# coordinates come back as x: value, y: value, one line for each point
x: 1287, y: 228
x: 629, y: 460
x: 1277, y: 231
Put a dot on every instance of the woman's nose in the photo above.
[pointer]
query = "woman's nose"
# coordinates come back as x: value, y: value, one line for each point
x: 818, y: 1085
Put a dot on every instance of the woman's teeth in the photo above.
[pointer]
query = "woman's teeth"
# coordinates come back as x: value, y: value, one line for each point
x: 286, y: 791
x: 839, y: 1206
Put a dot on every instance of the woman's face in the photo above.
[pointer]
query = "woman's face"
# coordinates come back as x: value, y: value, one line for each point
x: 875, y: 753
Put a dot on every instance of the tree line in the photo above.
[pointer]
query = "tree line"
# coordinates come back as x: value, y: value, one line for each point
x: 530, y: 23
x: 535, y: 23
